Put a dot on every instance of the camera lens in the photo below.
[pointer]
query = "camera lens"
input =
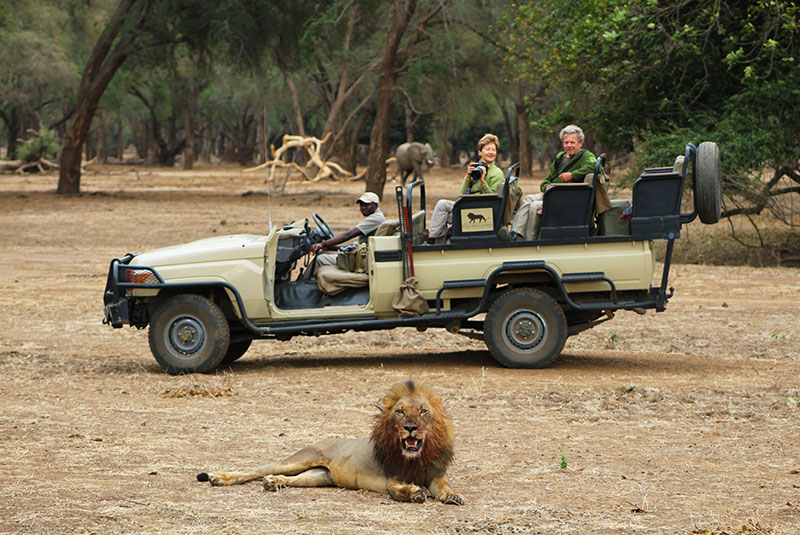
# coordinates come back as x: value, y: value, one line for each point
x: 476, y: 171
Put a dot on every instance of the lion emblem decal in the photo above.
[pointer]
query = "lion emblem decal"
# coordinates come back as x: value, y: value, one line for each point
x: 406, y: 456
x: 476, y: 217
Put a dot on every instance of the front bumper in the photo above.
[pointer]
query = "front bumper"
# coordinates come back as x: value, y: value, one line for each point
x: 114, y: 297
x: 119, y: 304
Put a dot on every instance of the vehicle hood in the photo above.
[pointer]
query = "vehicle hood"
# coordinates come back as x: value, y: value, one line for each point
x: 222, y: 248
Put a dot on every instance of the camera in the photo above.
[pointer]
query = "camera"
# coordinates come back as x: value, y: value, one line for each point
x: 475, y: 175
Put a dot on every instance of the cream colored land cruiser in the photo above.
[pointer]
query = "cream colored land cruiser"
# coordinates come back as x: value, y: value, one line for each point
x: 206, y: 301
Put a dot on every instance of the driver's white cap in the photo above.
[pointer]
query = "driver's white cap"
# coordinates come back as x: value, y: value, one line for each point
x: 368, y: 197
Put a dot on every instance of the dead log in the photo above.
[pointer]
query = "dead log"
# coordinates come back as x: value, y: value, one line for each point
x: 10, y: 165
x: 41, y: 165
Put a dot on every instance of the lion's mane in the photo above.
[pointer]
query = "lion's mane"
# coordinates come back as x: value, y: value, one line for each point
x: 437, y: 452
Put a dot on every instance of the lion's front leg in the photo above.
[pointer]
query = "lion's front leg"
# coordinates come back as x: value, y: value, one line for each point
x: 316, y: 477
x: 407, y: 492
x: 441, y: 490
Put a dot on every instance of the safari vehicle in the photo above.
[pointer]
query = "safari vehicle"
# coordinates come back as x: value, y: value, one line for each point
x: 206, y: 301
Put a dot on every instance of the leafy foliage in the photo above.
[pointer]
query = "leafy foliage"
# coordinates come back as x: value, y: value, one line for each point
x: 654, y: 74
x: 43, y: 145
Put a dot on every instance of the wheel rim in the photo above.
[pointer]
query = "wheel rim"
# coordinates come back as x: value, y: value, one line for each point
x: 186, y: 335
x: 524, y: 330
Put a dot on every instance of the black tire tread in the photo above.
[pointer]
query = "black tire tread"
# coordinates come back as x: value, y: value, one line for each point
x: 533, y: 299
x: 236, y: 350
x: 707, y: 188
x: 220, y: 339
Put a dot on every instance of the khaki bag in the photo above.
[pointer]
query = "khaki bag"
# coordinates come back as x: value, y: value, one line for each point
x: 408, y: 301
x: 352, y: 258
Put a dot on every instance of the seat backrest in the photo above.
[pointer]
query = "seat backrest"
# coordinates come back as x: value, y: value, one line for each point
x: 567, y: 211
x: 483, y: 215
x: 388, y: 227
x: 419, y: 233
x: 657, y: 203
x: 476, y: 216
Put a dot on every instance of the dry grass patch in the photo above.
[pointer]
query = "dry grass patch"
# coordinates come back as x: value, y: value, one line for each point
x: 219, y: 386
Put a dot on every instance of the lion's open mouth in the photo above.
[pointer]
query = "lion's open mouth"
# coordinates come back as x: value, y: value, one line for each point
x: 412, y: 444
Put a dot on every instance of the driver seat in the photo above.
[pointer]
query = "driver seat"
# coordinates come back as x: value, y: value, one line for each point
x: 331, y: 280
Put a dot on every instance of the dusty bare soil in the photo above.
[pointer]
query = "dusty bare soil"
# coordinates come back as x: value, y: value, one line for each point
x: 679, y: 422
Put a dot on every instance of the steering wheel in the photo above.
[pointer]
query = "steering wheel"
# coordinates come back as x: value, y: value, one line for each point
x: 327, y: 233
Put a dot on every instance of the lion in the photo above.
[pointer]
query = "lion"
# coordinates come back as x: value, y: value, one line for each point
x: 406, y: 456
x: 476, y: 217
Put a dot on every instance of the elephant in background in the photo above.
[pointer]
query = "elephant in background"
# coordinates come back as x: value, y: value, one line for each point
x: 412, y: 157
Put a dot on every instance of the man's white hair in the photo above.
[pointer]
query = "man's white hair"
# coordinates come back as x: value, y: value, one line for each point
x: 571, y: 129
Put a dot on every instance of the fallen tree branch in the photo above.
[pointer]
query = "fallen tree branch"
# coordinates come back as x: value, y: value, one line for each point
x: 313, y: 147
x: 20, y: 166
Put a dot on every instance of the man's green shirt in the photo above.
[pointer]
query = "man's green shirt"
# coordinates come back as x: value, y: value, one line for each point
x: 580, y: 165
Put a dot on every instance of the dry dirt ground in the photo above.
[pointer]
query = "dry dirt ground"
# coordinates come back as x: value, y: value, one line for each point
x: 679, y: 422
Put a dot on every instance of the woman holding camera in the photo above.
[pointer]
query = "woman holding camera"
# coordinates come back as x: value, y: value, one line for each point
x: 482, y: 176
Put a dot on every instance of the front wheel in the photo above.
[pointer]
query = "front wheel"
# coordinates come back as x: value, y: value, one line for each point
x: 189, y: 334
x: 525, y: 328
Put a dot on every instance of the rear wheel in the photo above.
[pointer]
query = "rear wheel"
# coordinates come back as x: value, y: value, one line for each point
x: 525, y: 328
x: 189, y: 334
x: 707, y: 178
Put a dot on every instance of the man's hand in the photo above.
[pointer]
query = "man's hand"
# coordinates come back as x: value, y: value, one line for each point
x: 565, y: 177
x: 316, y: 248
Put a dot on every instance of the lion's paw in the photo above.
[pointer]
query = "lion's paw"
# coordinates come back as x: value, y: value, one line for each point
x: 417, y: 494
x: 274, y: 483
x: 210, y: 477
x: 452, y: 498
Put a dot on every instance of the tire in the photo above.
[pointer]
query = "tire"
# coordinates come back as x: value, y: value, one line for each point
x: 707, y: 179
x: 525, y: 328
x: 236, y: 350
x: 189, y: 334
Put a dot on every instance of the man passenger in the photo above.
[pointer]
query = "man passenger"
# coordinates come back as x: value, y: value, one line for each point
x: 571, y: 166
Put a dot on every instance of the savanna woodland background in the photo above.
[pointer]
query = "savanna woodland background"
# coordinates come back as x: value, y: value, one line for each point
x: 190, y: 81
x: 127, y: 125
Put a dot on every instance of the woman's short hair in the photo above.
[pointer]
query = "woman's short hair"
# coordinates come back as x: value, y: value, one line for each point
x: 486, y: 139
x: 571, y: 129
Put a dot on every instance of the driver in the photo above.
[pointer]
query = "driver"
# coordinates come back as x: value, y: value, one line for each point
x: 373, y: 217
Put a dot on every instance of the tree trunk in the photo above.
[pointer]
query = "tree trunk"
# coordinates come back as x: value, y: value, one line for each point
x: 298, y: 114
x: 88, y: 146
x: 444, y: 152
x: 100, y: 69
x: 188, y: 104
x: 511, y: 132
x: 261, y: 141
x: 120, y: 139
x: 379, y: 137
x: 524, y: 136
x: 13, y: 124
x: 206, y: 145
x: 102, y: 143
x: 410, y: 121
x: 352, y: 151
